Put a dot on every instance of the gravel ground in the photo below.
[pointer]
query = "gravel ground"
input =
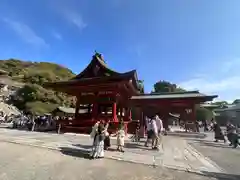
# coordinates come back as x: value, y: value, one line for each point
x: 27, y: 163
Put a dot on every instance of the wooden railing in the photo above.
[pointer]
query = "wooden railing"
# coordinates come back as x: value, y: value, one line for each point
x: 85, y: 125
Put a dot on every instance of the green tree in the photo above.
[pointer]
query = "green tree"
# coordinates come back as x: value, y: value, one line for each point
x: 165, y: 87
x: 203, y: 113
x: 141, y: 86
x: 33, y: 75
x: 221, y: 104
x: 236, y: 101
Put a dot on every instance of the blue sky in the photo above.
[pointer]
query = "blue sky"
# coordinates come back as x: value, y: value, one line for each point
x: 193, y: 43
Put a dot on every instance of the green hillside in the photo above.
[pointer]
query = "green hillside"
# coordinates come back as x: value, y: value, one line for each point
x: 32, y: 96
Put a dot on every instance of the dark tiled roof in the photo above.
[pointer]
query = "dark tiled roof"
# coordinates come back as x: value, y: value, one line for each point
x: 106, y: 74
x: 190, y: 94
x: 210, y: 105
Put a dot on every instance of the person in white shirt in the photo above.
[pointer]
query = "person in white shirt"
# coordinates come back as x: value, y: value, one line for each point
x: 155, y: 133
x: 159, y: 124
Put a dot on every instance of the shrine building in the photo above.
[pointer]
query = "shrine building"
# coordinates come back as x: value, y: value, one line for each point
x: 106, y: 95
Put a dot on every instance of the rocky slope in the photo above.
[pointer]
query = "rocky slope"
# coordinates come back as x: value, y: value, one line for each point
x: 32, y: 96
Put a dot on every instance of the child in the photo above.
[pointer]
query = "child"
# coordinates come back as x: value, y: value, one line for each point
x: 120, y: 138
x: 137, y: 133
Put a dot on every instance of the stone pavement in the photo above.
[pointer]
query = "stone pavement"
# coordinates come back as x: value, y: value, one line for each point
x: 19, y: 162
x: 175, y: 153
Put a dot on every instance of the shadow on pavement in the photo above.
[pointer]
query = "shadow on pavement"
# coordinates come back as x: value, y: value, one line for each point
x: 90, y: 147
x: 131, y: 145
x: 220, y: 176
x: 75, y: 152
x: 211, y: 143
x: 83, y: 146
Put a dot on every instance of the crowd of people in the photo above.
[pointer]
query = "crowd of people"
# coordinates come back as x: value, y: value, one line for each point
x: 101, y: 137
x: 154, y: 131
x: 231, y: 133
x: 30, y: 122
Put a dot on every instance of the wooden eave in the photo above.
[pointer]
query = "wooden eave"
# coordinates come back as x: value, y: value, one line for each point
x: 96, y: 82
x: 76, y: 87
x: 90, y: 81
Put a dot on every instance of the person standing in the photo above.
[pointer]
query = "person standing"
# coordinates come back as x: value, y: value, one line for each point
x: 149, y: 130
x: 205, y: 125
x: 94, y: 129
x: 218, y: 132
x: 159, y: 124
x: 120, y: 137
x: 232, y: 135
x: 137, y: 132
x: 230, y: 131
x: 154, y: 133
x: 98, y: 143
x: 107, y: 142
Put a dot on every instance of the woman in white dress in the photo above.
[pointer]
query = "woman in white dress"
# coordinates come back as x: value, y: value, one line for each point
x: 94, y: 129
x: 98, y: 143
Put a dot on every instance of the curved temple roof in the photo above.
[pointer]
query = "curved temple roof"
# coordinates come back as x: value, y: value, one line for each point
x: 97, y: 71
x: 98, y: 68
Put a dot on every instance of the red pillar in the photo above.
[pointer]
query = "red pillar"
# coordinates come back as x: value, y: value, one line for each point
x: 77, y: 107
x: 121, y: 112
x: 114, y: 111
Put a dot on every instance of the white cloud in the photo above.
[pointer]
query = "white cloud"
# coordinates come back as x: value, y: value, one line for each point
x: 26, y: 33
x: 57, y: 35
x: 223, y: 80
x: 76, y: 19
x: 211, y: 86
x: 69, y: 10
